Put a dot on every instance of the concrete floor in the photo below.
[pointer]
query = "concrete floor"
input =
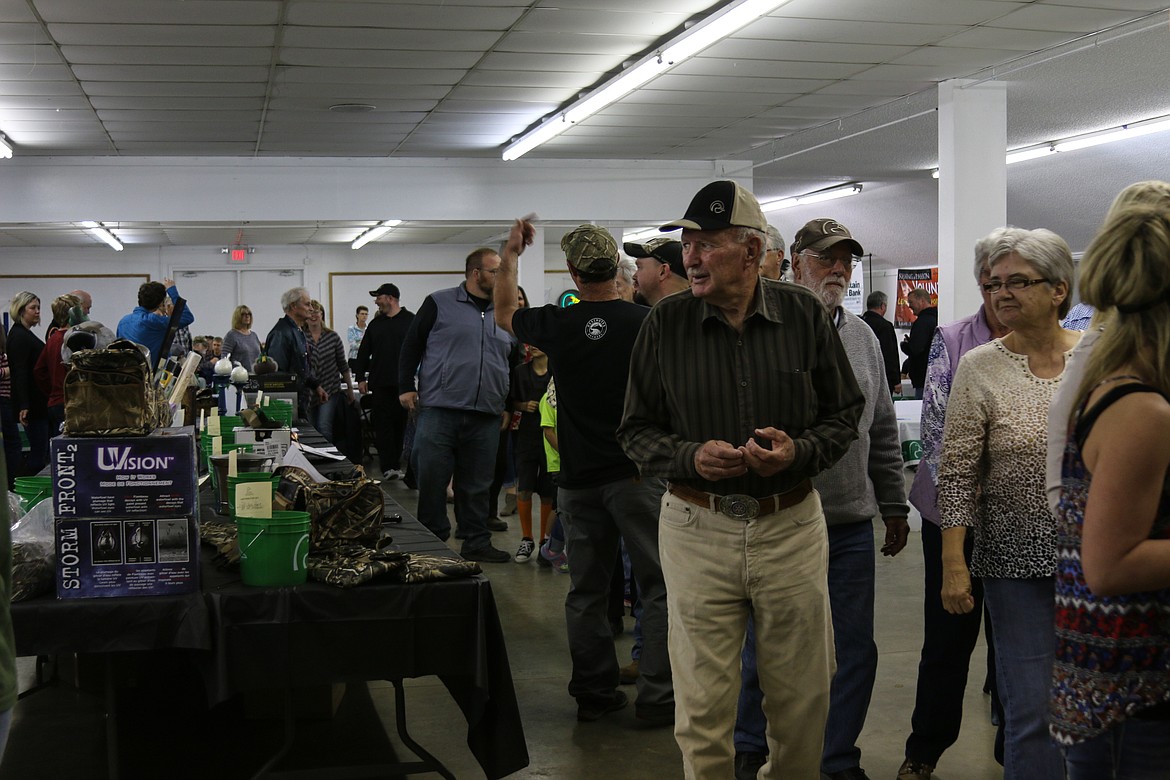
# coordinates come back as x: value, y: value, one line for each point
x: 60, y: 732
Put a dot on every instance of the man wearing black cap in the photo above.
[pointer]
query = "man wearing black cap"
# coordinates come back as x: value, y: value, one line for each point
x: 600, y: 495
x: 660, y: 269
x: 739, y: 393
x: 376, y: 372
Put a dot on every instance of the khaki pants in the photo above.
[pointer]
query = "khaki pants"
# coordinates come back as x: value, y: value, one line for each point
x: 717, y: 568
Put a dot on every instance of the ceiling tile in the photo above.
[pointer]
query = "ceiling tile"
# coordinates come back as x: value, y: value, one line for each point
x: 410, y: 16
x: 951, y: 12
x: 1061, y: 19
x: 540, y: 61
x: 521, y: 78
x: 170, y: 73
x: 588, y: 20
x: 955, y: 56
x: 405, y: 40
x: 805, y: 51
x: 1015, y: 40
x: 131, y: 12
x: 167, y: 55
x: 824, y: 72
x: 163, y: 35
x: 18, y: 54
x: 624, y: 44
x: 836, y: 31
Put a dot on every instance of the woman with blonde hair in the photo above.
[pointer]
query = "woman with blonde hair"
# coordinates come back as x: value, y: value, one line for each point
x: 1111, y: 682
x: 241, y: 343
x: 28, y: 402
x: 1154, y: 193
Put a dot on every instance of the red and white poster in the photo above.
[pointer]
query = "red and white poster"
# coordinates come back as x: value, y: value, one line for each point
x: 909, y: 279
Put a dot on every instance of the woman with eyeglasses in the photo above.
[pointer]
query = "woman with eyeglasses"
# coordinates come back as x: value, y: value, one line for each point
x: 1111, y: 682
x: 991, y: 482
x: 240, y: 343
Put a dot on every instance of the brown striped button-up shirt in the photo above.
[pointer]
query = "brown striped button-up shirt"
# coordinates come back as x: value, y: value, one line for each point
x: 693, y: 378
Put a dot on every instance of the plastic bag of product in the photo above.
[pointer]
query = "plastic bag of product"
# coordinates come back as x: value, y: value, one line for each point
x: 33, y: 556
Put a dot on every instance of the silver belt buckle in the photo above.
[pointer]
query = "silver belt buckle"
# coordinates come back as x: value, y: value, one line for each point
x: 739, y: 506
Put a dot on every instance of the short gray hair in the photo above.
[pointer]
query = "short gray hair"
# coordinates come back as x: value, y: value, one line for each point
x: 983, y: 249
x: 1042, y: 249
x: 627, y: 267
x: 876, y: 299
x: 293, y: 297
x: 775, y: 240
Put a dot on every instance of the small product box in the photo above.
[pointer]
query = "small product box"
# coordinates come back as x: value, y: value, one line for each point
x: 125, y: 476
x: 126, y: 556
x: 265, y: 441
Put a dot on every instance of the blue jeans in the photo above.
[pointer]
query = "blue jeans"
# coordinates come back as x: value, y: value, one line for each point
x: 1022, y: 618
x: 322, y: 417
x: 459, y: 443
x: 1134, y: 749
x: 593, y: 519
x: 851, y: 595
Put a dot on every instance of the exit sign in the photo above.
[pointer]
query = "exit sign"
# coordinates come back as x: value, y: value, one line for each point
x: 237, y: 254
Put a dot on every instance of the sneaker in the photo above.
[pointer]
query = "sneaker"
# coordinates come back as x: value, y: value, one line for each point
x: 628, y: 674
x: 558, y: 561
x: 393, y: 474
x: 915, y: 770
x: 588, y: 711
x: 524, y: 553
x: 496, y: 524
x: 748, y: 764
x: 486, y: 554
x: 540, y: 559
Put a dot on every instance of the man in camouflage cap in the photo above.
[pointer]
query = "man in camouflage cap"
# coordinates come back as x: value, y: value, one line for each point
x: 601, y: 498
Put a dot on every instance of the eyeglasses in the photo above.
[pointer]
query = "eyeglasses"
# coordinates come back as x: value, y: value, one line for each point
x: 1015, y: 285
x: 824, y: 261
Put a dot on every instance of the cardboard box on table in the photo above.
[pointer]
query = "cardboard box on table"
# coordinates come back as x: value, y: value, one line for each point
x: 126, y: 514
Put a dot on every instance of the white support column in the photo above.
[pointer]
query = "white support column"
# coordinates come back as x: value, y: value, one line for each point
x: 972, y: 185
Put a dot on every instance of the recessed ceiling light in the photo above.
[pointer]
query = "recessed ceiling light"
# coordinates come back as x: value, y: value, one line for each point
x: 352, y: 108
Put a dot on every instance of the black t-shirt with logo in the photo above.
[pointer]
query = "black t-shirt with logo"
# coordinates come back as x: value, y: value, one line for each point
x: 588, y: 346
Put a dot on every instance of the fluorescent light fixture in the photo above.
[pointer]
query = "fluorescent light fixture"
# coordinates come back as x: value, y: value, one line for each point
x: 832, y: 193
x: 5, y: 149
x: 99, y: 231
x: 719, y: 25
x: 377, y: 231
x: 1085, y: 140
x: 1019, y: 155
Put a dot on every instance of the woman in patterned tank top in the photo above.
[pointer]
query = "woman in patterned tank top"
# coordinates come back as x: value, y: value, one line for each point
x: 1110, y: 704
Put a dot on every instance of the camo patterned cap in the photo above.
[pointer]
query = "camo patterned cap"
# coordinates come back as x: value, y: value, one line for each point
x: 591, y: 249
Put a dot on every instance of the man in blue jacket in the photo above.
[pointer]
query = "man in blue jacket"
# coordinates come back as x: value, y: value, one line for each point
x: 460, y: 357
x: 147, y: 324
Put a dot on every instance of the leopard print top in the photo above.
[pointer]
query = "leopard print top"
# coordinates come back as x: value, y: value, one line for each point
x: 992, y: 475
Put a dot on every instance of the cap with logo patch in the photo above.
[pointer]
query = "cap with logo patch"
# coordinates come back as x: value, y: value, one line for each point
x: 720, y: 205
x: 591, y: 249
x: 667, y: 251
x: 819, y: 234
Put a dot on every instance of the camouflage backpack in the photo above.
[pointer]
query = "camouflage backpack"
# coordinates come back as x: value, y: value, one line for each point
x: 345, y: 511
x: 111, y: 392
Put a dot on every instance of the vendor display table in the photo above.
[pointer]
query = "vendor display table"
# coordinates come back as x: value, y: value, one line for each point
x: 244, y: 638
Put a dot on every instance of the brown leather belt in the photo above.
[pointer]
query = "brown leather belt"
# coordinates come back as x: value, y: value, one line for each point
x: 740, y: 506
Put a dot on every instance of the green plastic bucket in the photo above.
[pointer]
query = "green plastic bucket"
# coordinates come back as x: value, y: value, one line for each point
x: 32, y: 490
x: 253, y: 476
x: 274, y: 551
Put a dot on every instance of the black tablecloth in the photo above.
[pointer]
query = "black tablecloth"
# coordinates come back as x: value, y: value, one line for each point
x: 246, y: 638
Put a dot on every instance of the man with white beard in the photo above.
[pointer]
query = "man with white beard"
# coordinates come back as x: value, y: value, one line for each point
x: 865, y: 482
